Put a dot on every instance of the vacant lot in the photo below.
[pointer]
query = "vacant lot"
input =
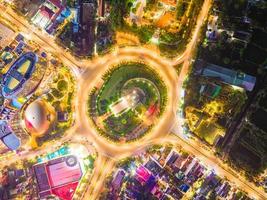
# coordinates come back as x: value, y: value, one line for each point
x: 255, y: 54
x: 263, y: 102
x: 259, y: 38
x: 259, y: 119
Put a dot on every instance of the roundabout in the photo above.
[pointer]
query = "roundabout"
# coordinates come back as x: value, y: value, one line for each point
x: 122, y: 89
x: 128, y: 103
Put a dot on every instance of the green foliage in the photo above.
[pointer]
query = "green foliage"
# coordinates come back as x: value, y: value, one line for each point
x: 117, y: 127
x: 62, y: 85
x: 119, y: 9
x: 181, y: 8
x: 120, y: 127
x: 144, y: 33
x: 112, y: 87
x: 71, y: 3
x: 50, y: 97
x: 56, y: 93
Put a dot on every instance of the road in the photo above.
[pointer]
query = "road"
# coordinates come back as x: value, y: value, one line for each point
x: 88, y: 74
x: 99, y: 176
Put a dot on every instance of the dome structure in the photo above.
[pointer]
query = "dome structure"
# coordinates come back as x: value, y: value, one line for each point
x: 38, y: 118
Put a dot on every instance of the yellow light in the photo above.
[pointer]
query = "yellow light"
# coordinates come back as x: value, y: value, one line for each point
x: 237, y: 88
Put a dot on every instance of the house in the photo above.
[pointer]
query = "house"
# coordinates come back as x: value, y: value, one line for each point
x: 242, y: 36
x: 47, y: 14
x: 10, y: 140
x: 62, y: 116
x: 223, y: 189
x: 212, y: 28
x: 118, y: 179
x: 210, y: 90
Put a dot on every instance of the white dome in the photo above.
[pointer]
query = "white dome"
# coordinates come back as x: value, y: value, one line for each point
x: 37, y: 118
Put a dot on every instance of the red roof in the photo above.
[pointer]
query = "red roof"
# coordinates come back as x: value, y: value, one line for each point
x: 142, y: 174
x: 46, y: 12
x: 152, y: 109
x: 60, y: 174
x: 60, y: 177
x: 65, y: 192
x: 57, y: 3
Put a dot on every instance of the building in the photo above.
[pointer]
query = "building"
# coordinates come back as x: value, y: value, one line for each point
x: 118, y: 179
x: 210, y: 90
x: 59, y: 177
x: 212, y: 28
x: 38, y: 118
x: 143, y: 174
x: 227, y: 76
x: 18, y: 74
x: 223, y: 189
x: 6, y: 36
x: 127, y: 102
x: 242, y: 36
x: 47, y: 14
x: 210, y: 182
x: 62, y: 116
x: 10, y: 140
x: 13, y: 182
x: 86, y: 33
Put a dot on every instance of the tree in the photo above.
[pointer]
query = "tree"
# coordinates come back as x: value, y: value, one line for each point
x: 119, y: 9
x: 212, y: 195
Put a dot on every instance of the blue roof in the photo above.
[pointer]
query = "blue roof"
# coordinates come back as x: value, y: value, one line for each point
x: 11, y: 141
x: 66, y: 12
x: 14, y: 73
x: 184, y: 187
x: 63, y: 15
x: 4, y: 129
x: 229, y: 76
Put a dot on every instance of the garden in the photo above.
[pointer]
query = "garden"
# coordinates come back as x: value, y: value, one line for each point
x: 117, y: 77
x: 60, y: 96
x: 139, y: 94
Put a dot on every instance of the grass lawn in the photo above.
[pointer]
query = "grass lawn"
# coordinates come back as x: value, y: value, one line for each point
x: 208, y: 131
x: 114, y: 81
x: 123, y: 124
x: 119, y: 81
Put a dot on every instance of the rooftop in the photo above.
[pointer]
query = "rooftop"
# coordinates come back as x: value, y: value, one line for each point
x: 226, y: 75
x: 59, y: 177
